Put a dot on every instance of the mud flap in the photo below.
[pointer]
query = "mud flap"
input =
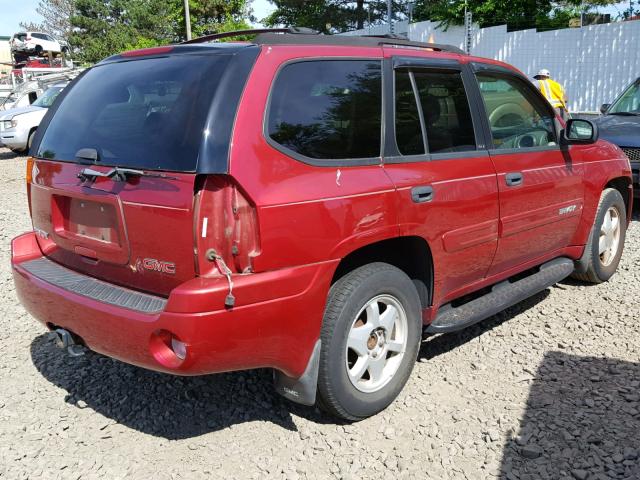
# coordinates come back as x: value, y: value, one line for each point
x: 301, y: 390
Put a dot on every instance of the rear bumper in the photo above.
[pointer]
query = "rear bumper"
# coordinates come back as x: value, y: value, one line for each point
x: 275, y: 323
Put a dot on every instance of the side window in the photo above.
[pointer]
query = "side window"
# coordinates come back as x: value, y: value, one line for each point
x: 328, y: 109
x: 408, y: 131
x: 446, y: 112
x: 517, y: 116
x: 39, y: 36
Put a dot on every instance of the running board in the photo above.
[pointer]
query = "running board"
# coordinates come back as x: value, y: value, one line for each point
x: 501, y: 296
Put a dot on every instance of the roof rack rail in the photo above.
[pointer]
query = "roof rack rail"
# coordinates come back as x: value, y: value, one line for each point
x: 256, y: 31
x: 308, y: 36
x: 269, y: 38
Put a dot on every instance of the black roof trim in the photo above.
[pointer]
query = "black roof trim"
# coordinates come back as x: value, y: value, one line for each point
x: 307, y: 36
x: 349, y: 40
x: 255, y: 31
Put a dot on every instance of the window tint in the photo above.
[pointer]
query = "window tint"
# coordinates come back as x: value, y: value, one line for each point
x: 408, y: 130
x: 517, y: 116
x: 39, y: 35
x: 446, y: 112
x: 147, y: 113
x: 328, y: 109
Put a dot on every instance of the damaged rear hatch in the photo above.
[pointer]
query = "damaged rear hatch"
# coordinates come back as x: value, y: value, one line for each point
x: 117, y: 161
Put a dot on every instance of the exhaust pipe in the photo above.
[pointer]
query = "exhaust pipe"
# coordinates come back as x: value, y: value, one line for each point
x: 64, y: 340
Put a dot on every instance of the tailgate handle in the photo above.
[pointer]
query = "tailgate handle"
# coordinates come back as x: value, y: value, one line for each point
x: 422, y: 194
x: 86, y: 252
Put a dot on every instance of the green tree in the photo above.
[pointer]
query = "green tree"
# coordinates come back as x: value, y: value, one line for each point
x: 105, y: 27
x: 516, y: 14
x: 332, y: 16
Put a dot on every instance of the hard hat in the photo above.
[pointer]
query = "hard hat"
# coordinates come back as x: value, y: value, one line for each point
x: 543, y: 73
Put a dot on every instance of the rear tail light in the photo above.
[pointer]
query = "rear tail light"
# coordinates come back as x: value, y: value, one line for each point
x: 30, y: 164
x: 226, y: 228
x: 29, y: 178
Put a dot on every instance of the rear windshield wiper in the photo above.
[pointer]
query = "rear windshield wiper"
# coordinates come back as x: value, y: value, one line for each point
x: 118, y: 174
x: 626, y: 114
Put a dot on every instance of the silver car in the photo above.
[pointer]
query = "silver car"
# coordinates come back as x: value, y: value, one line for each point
x: 18, y: 125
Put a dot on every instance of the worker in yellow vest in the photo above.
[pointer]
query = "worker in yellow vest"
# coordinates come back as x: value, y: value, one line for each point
x: 553, y: 92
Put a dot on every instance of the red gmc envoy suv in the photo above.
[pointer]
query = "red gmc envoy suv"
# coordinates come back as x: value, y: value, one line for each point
x: 306, y: 203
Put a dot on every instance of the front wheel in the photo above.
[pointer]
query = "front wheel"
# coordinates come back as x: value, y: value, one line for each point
x: 370, y: 339
x: 606, y: 241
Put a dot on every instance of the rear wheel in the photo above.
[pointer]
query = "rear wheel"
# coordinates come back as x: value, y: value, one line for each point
x: 606, y: 241
x: 370, y: 340
x: 30, y: 141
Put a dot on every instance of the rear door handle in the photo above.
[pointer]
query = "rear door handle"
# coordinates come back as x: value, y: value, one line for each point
x: 514, y: 179
x: 422, y: 194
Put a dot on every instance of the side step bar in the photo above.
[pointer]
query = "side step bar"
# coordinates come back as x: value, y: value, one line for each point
x: 501, y: 296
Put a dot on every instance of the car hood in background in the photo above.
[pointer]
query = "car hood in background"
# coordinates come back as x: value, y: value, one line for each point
x: 622, y: 130
x: 9, y: 114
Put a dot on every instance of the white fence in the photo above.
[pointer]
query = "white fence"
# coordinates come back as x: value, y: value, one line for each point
x: 593, y: 63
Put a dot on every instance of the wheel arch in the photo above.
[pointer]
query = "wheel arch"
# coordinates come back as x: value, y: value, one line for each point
x: 411, y: 254
x: 624, y: 186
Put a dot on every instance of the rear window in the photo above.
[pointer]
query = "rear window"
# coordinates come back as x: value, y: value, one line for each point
x: 147, y: 113
x: 328, y: 109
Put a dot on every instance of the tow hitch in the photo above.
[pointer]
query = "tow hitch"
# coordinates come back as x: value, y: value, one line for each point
x: 64, y: 339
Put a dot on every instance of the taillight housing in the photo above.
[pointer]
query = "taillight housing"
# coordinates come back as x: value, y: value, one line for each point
x: 225, y: 224
x: 29, y: 178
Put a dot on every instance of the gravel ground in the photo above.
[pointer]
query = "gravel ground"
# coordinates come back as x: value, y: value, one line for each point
x: 548, y: 389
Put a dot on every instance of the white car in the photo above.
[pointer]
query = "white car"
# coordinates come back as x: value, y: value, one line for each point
x: 18, y: 125
x: 36, y: 42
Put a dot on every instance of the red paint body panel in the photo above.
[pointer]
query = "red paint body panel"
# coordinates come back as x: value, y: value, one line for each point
x: 530, y: 219
x: 464, y: 206
x: 271, y: 327
x: 282, y: 227
x: 149, y: 218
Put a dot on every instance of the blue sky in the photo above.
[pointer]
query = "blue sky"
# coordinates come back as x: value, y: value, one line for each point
x: 12, y: 12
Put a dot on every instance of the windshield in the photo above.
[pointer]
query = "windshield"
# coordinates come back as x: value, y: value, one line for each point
x: 47, y: 98
x: 629, y: 102
x: 148, y: 113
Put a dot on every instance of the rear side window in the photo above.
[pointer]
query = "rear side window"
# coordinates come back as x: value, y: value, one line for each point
x: 446, y: 112
x: 443, y: 108
x: 518, y: 116
x: 147, y: 113
x: 328, y: 109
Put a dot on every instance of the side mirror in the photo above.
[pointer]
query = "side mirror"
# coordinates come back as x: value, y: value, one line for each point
x: 579, y: 131
x: 604, y: 107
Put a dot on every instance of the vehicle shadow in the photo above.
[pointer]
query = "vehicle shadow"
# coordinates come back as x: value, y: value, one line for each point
x: 164, y: 405
x: 6, y: 154
x: 436, y: 345
x: 581, y: 421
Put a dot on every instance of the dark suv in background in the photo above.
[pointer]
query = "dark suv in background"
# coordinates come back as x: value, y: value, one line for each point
x: 306, y: 203
x: 620, y: 124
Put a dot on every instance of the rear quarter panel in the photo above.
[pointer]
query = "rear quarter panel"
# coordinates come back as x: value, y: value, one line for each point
x: 306, y: 213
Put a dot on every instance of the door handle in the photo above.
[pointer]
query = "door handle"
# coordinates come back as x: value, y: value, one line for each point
x: 514, y: 179
x: 422, y: 194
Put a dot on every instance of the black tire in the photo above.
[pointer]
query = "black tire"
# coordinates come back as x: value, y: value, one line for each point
x: 337, y: 394
x: 30, y: 141
x: 598, y: 271
x: 38, y: 50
